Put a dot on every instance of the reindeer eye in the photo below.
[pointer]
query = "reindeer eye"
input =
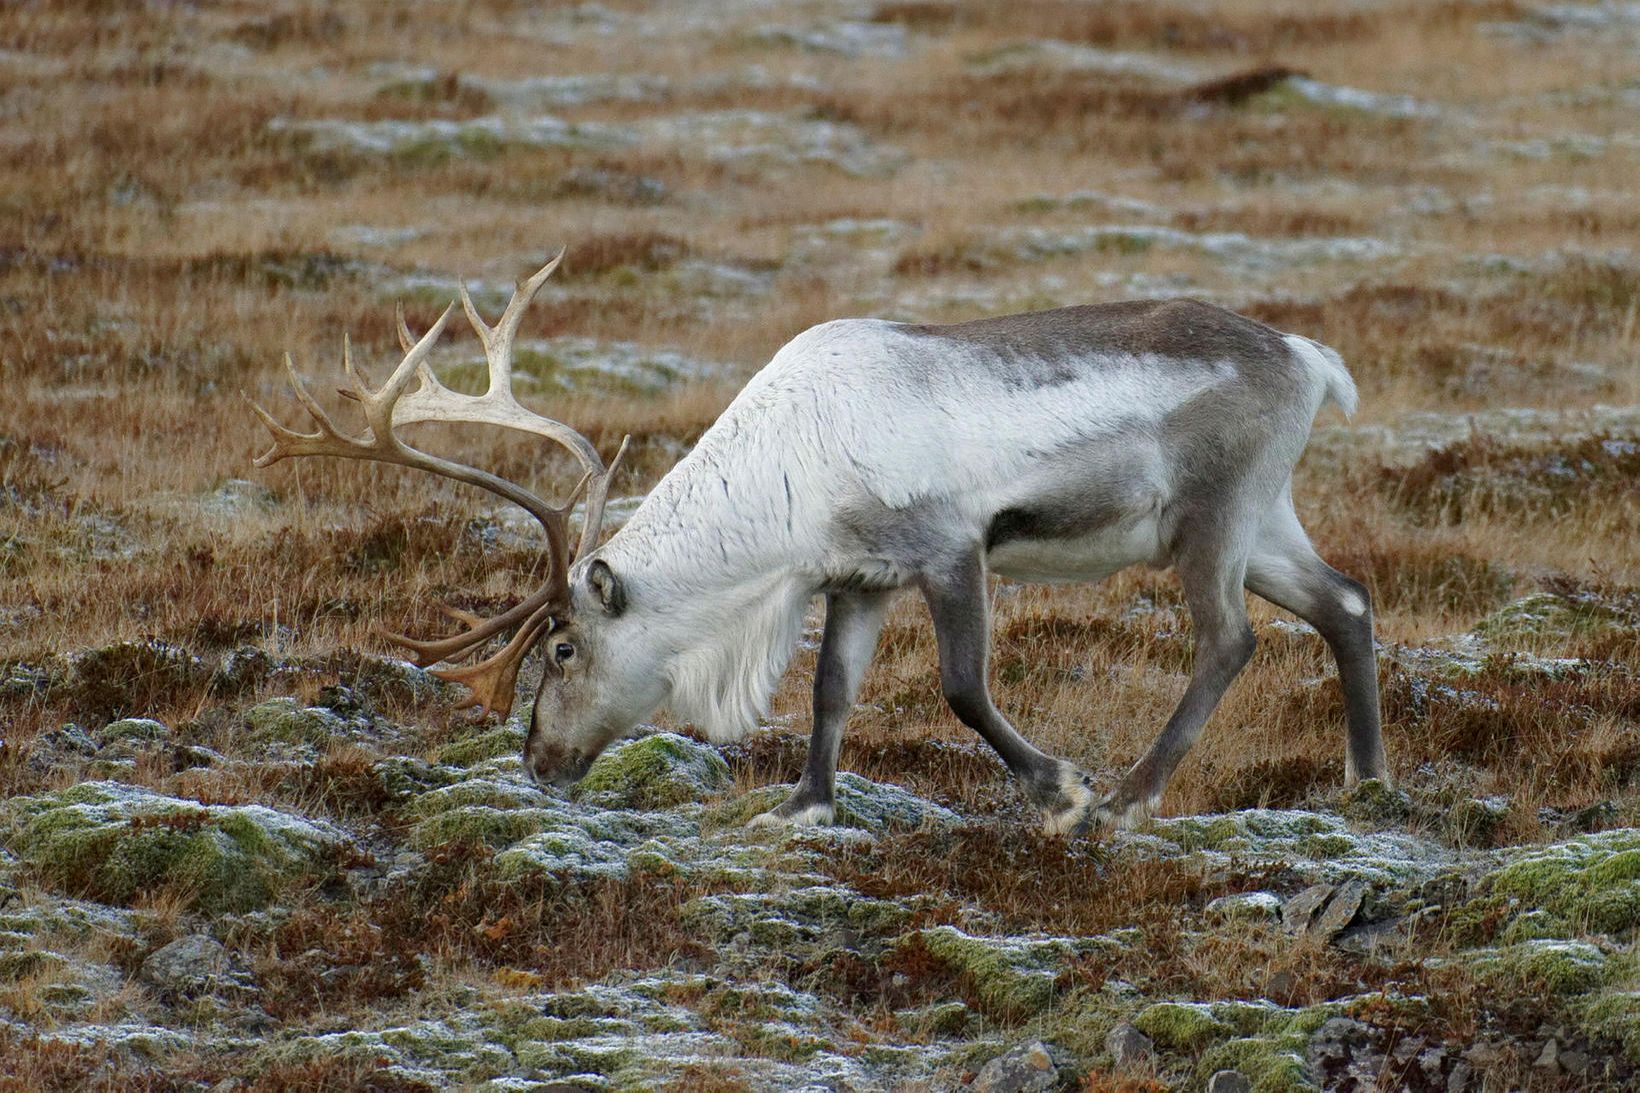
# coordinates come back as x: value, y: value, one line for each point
x: 564, y: 651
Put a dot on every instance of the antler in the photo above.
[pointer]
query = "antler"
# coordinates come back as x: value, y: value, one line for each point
x: 392, y: 405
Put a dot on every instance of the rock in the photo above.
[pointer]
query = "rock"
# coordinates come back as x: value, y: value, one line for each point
x: 1483, y: 1056
x: 1548, y: 1059
x: 1339, y: 912
x: 1245, y: 907
x: 114, y: 842
x: 652, y: 772
x: 1574, y: 1062
x: 1229, y: 1081
x: 1334, y: 1045
x: 189, y: 965
x: 1323, y: 910
x: 1297, y: 913
x: 1028, y: 1068
x: 1458, y: 1080
x: 1128, y: 1046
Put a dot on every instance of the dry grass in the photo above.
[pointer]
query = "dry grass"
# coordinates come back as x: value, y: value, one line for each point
x: 166, y: 237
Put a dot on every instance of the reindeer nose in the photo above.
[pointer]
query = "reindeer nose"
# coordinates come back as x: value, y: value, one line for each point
x: 552, y: 766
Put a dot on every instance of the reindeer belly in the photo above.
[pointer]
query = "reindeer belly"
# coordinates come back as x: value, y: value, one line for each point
x: 1082, y: 533
x: 1089, y: 556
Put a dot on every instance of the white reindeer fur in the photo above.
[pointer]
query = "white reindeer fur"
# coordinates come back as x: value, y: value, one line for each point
x: 720, y: 561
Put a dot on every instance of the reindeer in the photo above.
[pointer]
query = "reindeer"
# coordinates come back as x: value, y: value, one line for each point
x: 869, y: 457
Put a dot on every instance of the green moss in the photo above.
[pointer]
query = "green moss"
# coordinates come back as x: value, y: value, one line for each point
x: 286, y: 721
x: 776, y: 1040
x: 1554, y: 616
x: 1592, y: 883
x: 1181, y: 1026
x: 1474, y: 821
x: 113, y: 842
x: 1560, y: 967
x: 1615, y: 1019
x: 491, y: 744
x: 29, y: 962
x: 1376, y: 802
x: 1010, y: 979
x: 133, y: 729
x: 659, y: 771
x: 1271, y: 1068
x: 481, y: 824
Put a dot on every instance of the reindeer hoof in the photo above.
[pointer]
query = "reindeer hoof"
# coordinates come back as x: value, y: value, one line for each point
x: 793, y: 814
x: 1072, y: 799
x: 1112, y: 814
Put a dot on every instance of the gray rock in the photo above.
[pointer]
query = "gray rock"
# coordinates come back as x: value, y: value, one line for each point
x: 1548, y: 1059
x: 194, y: 964
x: 1029, y: 1068
x: 1229, y: 1081
x: 1128, y: 1046
x: 1340, y: 910
x: 1324, y: 910
x: 1574, y: 1061
x: 1483, y: 1055
x: 1459, y: 1079
x: 1245, y: 907
x: 1297, y: 912
x: 1335, y: 1044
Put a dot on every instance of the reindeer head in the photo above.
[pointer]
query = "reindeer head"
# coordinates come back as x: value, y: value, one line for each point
x: 588, y: 693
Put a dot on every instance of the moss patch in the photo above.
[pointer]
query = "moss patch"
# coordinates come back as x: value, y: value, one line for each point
x: 113, y: 842
x: 1590, y: 883
x: 658, y: 771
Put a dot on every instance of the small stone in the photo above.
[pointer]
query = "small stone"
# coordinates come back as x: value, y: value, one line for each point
x: 1245, y: 907
x: 1548, y: 1059
x: 1574, y: 1062
x: 1028, y: 1068
x: 1335, y: 1041
x: 1458, y: 1080
x: 1339, y: 912
x: 1297, y: 912
x: 1229, y: 1081
x: 188, y: 965
x: 1128, y: 1046
x: 1483, y: 1055
x: 1280, y: 985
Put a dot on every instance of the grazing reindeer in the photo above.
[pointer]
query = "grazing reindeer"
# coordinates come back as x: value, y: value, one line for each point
x: 871, y: 456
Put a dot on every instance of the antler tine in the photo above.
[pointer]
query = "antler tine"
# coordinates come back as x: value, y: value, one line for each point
x: 405, y: 338
x: 493, y: 681
x: 499, y: 338
x: 395, y: 404
x: 597, y: 494
x: 478, y: 630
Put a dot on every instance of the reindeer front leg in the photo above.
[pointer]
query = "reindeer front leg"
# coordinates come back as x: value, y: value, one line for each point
x: 853, y: 621
x: 961, y: 609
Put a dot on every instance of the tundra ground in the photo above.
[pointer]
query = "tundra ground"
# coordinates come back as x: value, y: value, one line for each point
x: 239, y: 841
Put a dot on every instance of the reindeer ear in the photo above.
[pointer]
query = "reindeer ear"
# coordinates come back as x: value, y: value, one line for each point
x: 611, y: 593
